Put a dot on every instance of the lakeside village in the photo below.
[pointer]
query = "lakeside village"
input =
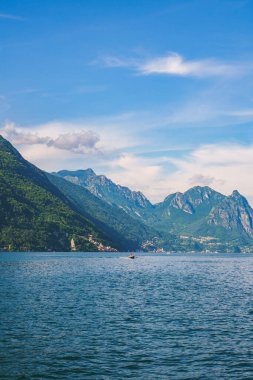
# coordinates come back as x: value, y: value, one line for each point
x: 209, y: 245
x: 73, y: 246
x: 100, y: 247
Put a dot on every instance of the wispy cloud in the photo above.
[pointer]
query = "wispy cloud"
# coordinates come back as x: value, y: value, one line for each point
x: 153, y: 181
x: 244, y: 113
x: 119, y: 154
x: 9, y: 16
x: 77, y: 144
x: 111, y: 61
x: 223, y: 166
x: 175, y: 64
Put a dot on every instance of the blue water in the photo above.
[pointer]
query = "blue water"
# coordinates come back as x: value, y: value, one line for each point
x: 103, y: 316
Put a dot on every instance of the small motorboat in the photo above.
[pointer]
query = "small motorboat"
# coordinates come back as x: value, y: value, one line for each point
x: 131, y: 256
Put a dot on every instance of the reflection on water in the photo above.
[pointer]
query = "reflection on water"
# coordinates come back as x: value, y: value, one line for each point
x: 103, y: 316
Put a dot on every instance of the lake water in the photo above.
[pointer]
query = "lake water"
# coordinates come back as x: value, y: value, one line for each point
x: 103, y: 316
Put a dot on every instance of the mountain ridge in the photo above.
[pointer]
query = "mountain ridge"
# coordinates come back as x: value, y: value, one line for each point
x: 43, y: 211
x: 132, y: 202
x: 129, y: 232
x: 195, y: 213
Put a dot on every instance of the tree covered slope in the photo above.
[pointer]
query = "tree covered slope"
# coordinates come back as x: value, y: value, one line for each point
x: 123, y: 229
x: 133, y: 203
x: 34, y: 214
x: 41, y: 211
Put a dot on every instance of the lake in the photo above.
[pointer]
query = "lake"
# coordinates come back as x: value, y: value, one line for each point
x: 104, y: 316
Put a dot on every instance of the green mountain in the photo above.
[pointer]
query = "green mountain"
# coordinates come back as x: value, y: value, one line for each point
x: 234, y: 215
x: 133, y: 203
x: 83, y: 211
x: 216, y: 221
x: 199, y: 219
x: 34, y: 214
x: 185, y: 212
x: 127, y: 232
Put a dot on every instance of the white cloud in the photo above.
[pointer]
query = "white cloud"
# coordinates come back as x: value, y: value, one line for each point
x: 223, y: 167
x: 53, y: 147
x: 80, y: 142
x: 77, y: 142
x: 72, y: 145
x: 17, y: 136
x: 53, y: 159
x: 201, y: 180
x: 175, y: 64
x: 139, y: 174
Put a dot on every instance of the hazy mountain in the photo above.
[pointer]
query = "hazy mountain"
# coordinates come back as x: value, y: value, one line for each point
x: 41, y: 211
x: 234, y: 214
x: 201, y: 214
x: 193, y: 199
x: 121, y: 227
x: 132, y: 202
x: 185, y: 211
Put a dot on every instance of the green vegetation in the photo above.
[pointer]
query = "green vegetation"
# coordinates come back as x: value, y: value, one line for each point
x: 200, y: 219
x: 206, y: 219
x: 34, y: 215
x: 133, y: 203
x: 127, y: 232
x: 45, y: 212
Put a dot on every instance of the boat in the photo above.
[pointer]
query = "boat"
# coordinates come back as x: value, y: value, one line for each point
x: 131, y: 256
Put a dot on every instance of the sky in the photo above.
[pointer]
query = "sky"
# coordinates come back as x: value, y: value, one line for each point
x: 156, y: 95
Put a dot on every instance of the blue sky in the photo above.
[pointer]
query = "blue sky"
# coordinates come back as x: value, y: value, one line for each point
x: 156, y: 95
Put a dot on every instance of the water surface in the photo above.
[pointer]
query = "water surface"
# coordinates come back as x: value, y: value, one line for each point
x: 103, y: 316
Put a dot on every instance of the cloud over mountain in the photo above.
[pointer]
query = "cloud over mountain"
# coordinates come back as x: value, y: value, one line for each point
x: 79, y: 142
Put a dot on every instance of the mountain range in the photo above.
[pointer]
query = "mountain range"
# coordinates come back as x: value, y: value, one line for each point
x: 133, y: 203
x: 79, y: 210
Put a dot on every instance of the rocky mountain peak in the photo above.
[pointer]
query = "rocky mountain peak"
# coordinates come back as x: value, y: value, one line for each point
x: 89, y: 172
x: 233, y: 213
x: 132, y: 202
x: 191, y: 199
x: 179, y: 201
x: 236, y: 195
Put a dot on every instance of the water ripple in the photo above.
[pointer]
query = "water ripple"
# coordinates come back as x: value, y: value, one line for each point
x: 96, y: 316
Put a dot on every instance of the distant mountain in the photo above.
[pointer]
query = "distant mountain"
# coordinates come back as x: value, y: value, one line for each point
x: 204, y: 214
x: 185, y: 211
x: 201, y: 218
x: 80, y: 210
x: 132, y: 202
x: 196, y: 215
x: 127, y: 232
x: 234, y: 214
x: 193, y: 199
x: 34, y: 214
